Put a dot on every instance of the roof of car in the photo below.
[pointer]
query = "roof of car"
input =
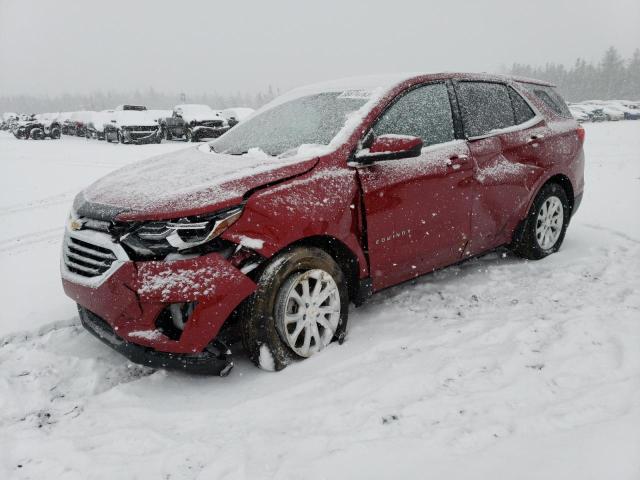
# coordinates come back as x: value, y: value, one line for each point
x: 388, y: 81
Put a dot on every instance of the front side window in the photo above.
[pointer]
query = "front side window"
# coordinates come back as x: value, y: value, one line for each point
x: 313, y: 119
x: 485, y: 106
x: 423, y: 112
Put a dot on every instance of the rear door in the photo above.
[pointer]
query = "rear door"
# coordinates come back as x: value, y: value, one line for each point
x: 417, y: 209
x: 505, y: 137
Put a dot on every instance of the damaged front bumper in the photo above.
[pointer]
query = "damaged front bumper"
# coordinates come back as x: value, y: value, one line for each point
x: 214, y: 360
x: 134, y: 306
x: 142, y: 137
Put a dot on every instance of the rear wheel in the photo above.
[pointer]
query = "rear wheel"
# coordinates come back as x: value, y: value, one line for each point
x: 188, y: 135
x: 546, y: 223
x: 300, y: 306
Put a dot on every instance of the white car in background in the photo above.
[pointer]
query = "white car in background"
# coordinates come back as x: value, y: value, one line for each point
x: 236, y: 115
x: 132, y: 126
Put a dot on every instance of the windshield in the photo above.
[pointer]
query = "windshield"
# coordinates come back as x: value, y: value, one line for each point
x: 314, y: 119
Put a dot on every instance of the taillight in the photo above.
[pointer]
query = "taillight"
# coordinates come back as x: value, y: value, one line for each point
x: 581, y: 133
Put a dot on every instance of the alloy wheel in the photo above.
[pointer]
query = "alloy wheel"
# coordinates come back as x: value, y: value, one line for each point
x: 308, y: 311
x: 549, y: 222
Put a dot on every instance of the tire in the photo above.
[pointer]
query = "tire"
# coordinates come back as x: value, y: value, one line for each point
x: 55, y: 133
x: 167, y: 134
x: 534, y: 243
x: 188, y: 135
x: 120, y: 137
x: 270, y: 343
x: 36, y: 134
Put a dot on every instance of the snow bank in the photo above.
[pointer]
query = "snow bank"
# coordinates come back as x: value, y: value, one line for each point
x: 496, y: 368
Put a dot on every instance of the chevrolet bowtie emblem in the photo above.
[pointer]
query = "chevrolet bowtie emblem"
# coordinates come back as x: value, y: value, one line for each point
x: 75, y: 224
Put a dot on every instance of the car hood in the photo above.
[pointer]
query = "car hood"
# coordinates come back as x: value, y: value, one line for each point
x: 189, y: 182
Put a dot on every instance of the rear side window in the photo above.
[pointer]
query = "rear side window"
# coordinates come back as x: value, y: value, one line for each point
x: 485, y: 107
x: 552, y: 98
x: 521, y: 108
x: 423, y: 112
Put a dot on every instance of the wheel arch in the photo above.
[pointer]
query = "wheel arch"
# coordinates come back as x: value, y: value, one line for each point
x: 566, y: 185
x: 340, y: 252
x: 559, y: 179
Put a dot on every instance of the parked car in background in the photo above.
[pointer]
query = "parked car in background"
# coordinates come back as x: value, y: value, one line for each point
x: 76, y: 124
x: 579, y: 113
x: 193, y: 122
x: 132, y: 126
x: 8, y: 118
x: 38, y: 127
x: 235, y: 115
x: 325, y: 196
x: 596, y: 113
x: 96, y: 124
x: 137, y: 108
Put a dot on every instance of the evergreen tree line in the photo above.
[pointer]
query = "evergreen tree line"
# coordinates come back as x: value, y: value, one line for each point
x: 612, y: 78
x: 151, y: 98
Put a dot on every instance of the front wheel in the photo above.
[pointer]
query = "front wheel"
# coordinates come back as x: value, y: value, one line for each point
x: 300, y: 306
x: 546, y: 223
x: 188, y: 135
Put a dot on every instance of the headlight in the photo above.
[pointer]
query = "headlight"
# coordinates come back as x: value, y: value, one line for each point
x: 159, y: 238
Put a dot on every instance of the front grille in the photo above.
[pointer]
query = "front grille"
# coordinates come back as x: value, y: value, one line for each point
x: 86, y: 259
x: 141, y: 129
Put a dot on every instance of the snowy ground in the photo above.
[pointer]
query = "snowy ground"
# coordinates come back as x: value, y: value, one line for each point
x: 498, y: 368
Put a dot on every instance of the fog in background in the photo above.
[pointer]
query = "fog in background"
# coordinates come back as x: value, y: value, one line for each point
x: 243, y: 48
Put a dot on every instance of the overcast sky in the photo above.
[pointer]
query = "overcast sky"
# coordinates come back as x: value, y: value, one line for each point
x: 57, y: 46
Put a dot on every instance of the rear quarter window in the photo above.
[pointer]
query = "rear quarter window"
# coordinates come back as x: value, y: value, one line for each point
x: 551, y: 98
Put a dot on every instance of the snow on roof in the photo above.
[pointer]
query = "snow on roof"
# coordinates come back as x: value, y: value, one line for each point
x: 376, y: 85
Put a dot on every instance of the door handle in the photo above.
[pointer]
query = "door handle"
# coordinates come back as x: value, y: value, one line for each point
x: 456, y: 160
x: 533, y: 139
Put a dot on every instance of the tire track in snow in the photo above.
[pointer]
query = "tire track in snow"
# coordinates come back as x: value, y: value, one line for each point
x: 617, y: 233
x: 21, y: 241
x: 46, y: 202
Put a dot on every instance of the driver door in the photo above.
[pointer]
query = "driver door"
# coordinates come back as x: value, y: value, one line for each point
x: 417, y: 209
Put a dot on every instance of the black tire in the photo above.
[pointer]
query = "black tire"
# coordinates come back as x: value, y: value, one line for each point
x: 167, y: 134
x: 55, y: 133
x: 120, y: 137
x: 258, y: 313
x: 36, y: 134
x: 188, y: 135
x: 528, y: 246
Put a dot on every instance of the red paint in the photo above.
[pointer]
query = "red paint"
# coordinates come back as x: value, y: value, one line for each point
x: 453, y: 201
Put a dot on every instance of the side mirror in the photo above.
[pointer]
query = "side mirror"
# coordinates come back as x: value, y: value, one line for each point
x: 390, y: 147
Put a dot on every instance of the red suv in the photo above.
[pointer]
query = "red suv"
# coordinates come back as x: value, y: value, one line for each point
x: 323, y: 197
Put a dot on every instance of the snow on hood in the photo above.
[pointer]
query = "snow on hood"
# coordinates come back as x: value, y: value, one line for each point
x: 188, y: 182
x: 198, y: 112
x: 133, y: 118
